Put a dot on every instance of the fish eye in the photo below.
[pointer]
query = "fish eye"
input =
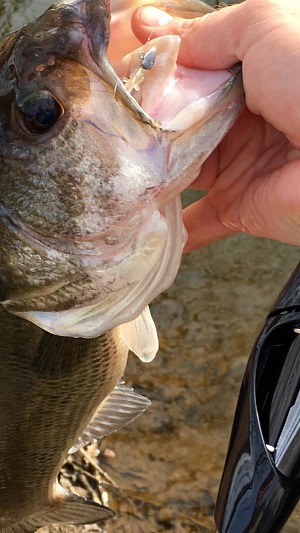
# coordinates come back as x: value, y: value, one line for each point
x: 38, y: 112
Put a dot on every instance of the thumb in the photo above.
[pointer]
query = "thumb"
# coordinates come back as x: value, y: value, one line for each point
x: 209, y: 42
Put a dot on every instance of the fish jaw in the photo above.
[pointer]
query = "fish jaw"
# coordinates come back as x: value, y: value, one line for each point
x: 115, y: 291
x: 105, y: 236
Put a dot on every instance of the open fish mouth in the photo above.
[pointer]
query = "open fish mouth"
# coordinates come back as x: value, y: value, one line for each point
x: 174, y: 96
x: 106, y: 235
x: 168, y: 94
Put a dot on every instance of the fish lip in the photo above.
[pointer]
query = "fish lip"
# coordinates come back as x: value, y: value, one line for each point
x: 130, y: 101
x: 235, y: 71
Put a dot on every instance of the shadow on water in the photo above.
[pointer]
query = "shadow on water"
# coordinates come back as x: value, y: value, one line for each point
x: 166, y: 466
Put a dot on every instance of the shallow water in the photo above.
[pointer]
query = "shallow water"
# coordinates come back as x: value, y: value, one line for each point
x: 166, y: 466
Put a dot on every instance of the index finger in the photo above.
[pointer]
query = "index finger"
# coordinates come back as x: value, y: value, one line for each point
x: 201, y: 37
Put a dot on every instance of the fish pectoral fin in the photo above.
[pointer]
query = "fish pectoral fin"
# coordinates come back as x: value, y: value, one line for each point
x: 69, y: 508
x: 122, y: 406
x: 140, y: 335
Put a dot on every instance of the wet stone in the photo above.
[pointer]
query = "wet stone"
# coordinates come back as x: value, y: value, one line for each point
x: 166, y: 517
x: 163, y: 424
x: 193, y: 415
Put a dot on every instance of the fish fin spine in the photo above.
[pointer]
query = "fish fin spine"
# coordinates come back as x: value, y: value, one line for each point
x: 122, y: 406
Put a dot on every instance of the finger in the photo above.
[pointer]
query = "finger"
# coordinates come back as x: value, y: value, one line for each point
x: 216, y: 46
x: 267, y: 207
x: 203, y: 224
x: 208, y: 173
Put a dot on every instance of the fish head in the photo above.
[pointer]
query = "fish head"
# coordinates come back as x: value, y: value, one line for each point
x: 92, y: 161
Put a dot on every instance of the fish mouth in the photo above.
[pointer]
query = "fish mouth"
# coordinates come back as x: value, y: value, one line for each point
x: 175, y: 97
x: 165, y: 94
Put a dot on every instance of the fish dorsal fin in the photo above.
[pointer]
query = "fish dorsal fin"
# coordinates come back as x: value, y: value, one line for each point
x: 140, y: 335
x: 122, y: 406
x: 68, y: 508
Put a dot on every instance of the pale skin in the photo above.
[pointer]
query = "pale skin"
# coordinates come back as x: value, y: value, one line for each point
x: 253, y: 177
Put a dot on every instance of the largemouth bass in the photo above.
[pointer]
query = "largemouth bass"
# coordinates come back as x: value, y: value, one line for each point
x: 91, y: 226
x: 92, y: 160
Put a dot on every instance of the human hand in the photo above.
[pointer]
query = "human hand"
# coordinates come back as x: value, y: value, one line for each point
x: 253, y: 177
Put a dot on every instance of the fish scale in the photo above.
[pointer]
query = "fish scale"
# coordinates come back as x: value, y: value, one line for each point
x: 52, y: 389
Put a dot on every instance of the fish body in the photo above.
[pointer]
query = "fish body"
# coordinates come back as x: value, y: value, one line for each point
x: 90, y: 232
x: 54, y: 391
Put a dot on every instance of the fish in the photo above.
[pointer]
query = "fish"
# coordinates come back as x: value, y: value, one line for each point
x: 94, y: 152
x: 90, y: 213
x: 57, y: 394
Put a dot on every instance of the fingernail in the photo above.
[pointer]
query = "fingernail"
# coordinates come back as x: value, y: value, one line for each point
x: 151, y: 16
